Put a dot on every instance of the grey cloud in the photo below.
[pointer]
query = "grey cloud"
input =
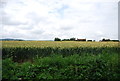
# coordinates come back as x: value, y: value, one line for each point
x: 13, y: 35
x: 65, y: 28
x: 77, y: 21
x: 36, y: 18
x: 85, y: 21
x: 37, y: 32
x: 29, y: 35
x: 48, y: 36
x: 2, y: 3
x: 39, y: 35
x: 8, y: 20
x: 24, y: 27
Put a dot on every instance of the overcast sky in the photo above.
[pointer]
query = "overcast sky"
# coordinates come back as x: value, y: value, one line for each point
x: 47, y: 19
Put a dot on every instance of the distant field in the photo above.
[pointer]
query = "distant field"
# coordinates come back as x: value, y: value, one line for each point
x: 62, y: 44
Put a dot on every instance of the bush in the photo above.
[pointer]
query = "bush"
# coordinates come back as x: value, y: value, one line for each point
x: 81, y: 67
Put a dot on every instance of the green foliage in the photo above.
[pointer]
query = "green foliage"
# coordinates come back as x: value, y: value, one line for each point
x: 84, y: 67
x: 85, y: 62
x: 66, y: 40
x: 9, y: 69
x: 21, y: 54
x: 57, y: 39
x: 72, y: 39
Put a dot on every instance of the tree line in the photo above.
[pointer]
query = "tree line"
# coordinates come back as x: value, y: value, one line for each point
x: 74, y: 39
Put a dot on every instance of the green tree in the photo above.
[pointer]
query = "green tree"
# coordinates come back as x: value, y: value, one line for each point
x: 72, y: 39
x: 57, y: 39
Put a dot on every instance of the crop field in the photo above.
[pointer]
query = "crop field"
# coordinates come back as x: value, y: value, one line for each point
x: 54, y: 44
x: 60, y: 60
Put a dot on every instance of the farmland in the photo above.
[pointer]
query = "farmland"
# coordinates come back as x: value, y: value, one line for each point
x: 60, y: 60
x: 53, y: 44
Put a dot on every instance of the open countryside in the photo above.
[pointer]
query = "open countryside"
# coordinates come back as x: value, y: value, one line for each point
x: 60, y: 60
x: 71, y: 40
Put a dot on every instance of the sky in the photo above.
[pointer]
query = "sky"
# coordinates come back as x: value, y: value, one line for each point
x: 47, y: 19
